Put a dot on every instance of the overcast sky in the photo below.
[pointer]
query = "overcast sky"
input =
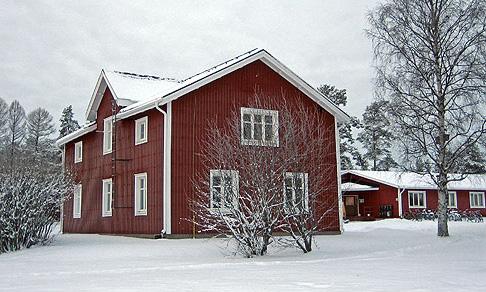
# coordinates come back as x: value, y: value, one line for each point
x: 51, y: 52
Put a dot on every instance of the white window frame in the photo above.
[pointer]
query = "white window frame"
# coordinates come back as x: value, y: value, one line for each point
x: 140, y: 210
x: 78, y: 152
x: 263, y: 112
x: 305, y: 183
x: 138, y: 127
x: 416, y: 206
x: 234, y: 185
x: 471, y: 200
x: 107, y: 135
x: 107, y: 198
x: 77, y: 201
x: 454, y: 194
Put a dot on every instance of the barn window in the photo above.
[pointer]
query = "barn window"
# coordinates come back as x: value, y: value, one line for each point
x: 224, y: 189
x: 296, y: 197
x: 141, y: 131
x: 107, y: 135
x: 259, y: 127
x: 416, y: 199
x: 77, y: 199
x: 107, y: 197
x: 140, y: 194
x: 452, y: 200
x: 78, y: 152
x: 476, y: 199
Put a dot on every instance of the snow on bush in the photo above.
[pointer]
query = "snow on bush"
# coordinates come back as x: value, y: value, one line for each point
x: 30, y: 199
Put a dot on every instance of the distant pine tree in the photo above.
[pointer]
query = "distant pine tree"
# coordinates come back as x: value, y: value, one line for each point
x: 377, y: 136
x: 40, y: 127
x: 68, y: 123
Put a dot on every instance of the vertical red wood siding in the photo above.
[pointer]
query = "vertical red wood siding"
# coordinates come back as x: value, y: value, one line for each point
x: 216, y: 101
x: 190, y: 114
x: 130, y: 159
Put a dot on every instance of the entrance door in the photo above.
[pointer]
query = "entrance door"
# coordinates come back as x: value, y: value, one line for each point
x: 351, y: 205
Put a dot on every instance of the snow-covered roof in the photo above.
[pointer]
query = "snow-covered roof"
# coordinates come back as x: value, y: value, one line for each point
x: 86, y: 128
x: 410, y: 180
x: 355, y: 187
x: 137, y: 93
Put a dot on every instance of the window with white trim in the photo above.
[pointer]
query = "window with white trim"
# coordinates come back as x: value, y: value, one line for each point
x: 224, y: 186
x: 296, y: 188
x: 78, y: 151
x: 416, y: 199
x: 452, y: 200
x: 107, y: 197
x: 259, y: 127
x: 77, y: 201
x: 476, y: 199
x: 141, y: 130
x: 140, y: 194
x: 107, y: 135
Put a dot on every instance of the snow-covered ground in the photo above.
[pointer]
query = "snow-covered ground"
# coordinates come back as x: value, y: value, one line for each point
x: 389, y: 255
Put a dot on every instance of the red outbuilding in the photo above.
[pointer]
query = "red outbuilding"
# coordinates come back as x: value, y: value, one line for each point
x: 134, y: 159
x: 383, y: 194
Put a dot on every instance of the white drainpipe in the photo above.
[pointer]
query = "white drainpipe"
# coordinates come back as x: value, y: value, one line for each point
x: 399, y: 198
x: 167, y: 229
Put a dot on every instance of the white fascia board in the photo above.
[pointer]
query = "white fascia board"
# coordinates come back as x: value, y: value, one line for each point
x: 74, y: 135
x: 269, y: 61
x: 97, y: 95
x: 371, y: 178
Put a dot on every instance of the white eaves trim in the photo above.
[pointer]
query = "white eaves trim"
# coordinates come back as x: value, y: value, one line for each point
x: 262, y: 55
x: 78, y: 133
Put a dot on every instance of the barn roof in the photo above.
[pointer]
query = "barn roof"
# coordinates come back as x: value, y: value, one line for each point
x: 410, y: 180
x: 138, y: 93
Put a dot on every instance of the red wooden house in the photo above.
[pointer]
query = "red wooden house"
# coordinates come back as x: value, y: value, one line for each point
x: 134, y: 158
x: 391, y: 194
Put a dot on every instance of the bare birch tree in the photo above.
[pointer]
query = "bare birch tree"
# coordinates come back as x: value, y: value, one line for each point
x: 430, y: 60
x: 240, y: 191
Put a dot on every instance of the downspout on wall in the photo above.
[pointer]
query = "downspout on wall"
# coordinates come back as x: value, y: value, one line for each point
x: 166, y: 208
x: 338, y: 169
x: 399, y: 198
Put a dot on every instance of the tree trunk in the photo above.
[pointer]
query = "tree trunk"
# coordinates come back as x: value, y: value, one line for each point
x: 442, y: 228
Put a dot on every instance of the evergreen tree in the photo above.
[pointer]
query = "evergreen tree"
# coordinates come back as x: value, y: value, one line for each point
x: 376, y: 136
x: 68, y: 123
x: 347, y: 147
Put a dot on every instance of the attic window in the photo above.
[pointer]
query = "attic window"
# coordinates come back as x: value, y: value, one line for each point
x: 259, y: 127
x: 78, y: 152
x: 141, y: 131
x: 107, y: 135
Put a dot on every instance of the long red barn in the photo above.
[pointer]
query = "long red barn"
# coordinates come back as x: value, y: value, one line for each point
x: 134, y: 158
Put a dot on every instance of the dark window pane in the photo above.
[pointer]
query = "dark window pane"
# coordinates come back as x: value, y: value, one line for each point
x: 268, y: 133
x: 246, y: 118
x: 257, y: 118
x: 247, y: 131
x: 216, y: 197
x: 257, y: 132
x: 269, y: 120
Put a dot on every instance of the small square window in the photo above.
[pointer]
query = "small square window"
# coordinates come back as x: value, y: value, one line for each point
x: 78, y: 152
x: 77, y: 201
x: 476, y: 199
x: 140, y: 194
x: 141, y: 130
x: 259, y: 127
x: 107, y: 198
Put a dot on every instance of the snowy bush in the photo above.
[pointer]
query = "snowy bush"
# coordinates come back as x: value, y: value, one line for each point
x: 29, y: 202
x: 240, y: 189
